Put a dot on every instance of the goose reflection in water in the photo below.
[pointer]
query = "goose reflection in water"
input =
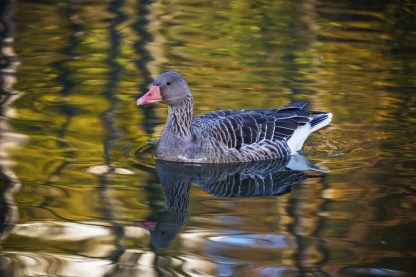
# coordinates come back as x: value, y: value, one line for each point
x: 245, y: 180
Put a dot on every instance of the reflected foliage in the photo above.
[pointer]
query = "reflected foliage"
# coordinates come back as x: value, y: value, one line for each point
x: 68, y: 144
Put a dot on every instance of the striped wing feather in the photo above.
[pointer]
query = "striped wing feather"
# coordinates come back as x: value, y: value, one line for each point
x: 245, y: 127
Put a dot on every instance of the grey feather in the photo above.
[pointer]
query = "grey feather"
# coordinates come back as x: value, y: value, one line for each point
x: 226, y: 136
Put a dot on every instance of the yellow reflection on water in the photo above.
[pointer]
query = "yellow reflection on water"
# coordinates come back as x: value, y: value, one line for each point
x: 76, y: 131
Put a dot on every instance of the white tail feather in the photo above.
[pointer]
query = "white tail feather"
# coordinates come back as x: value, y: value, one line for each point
x: 296, y: 141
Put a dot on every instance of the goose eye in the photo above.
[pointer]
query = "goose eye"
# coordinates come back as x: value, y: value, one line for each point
x: 168, y: 83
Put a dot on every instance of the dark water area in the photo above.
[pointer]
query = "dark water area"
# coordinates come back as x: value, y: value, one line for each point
x: 82, y: 195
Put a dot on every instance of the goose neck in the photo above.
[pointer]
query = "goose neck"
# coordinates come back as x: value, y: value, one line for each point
x: 179, y: 120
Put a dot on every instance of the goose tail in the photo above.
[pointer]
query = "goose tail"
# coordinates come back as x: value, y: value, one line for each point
x: 320, y: 121
x: 317, y: 121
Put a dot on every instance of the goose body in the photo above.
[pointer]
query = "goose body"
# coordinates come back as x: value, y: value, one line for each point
x: 228, y: 136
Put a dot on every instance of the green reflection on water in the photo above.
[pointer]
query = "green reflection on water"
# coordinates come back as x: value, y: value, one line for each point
x: 83, y: 64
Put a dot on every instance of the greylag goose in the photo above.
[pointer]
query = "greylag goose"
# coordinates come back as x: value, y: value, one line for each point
x: 227, y: 136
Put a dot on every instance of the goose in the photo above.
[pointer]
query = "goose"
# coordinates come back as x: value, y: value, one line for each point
x: 227, y: 136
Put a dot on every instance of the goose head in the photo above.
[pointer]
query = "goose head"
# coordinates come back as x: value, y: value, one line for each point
x: 169, y: 88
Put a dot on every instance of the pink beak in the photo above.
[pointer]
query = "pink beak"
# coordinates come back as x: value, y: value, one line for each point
x: 148, y: 225
x: 152, y: 96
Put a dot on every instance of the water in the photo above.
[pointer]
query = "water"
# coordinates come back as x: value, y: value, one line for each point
x: 83, y: 196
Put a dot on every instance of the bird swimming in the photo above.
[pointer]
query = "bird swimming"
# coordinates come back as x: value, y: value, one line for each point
x: 227, y: 136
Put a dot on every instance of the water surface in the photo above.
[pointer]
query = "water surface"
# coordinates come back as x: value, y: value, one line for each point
x: 81, y: 194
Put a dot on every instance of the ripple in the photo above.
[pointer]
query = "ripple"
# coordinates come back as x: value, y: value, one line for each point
x: 274, y: 271
x: 143, y: 155
x: 77, y: 136
x: 373, y: 271
x: 105, y: 169
x: 253, y: 240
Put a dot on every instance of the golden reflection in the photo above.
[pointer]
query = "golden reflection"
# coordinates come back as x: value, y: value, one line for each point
x: 9, y: 138
x: 69, y: 140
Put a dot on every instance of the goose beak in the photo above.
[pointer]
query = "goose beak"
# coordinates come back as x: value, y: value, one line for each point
x: 148, y: 225
x: 152, y: 96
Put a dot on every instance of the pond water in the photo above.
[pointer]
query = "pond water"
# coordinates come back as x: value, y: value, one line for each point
x: 81, y: 192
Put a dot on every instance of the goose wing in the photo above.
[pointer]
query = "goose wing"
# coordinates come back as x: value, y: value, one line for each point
x: 245, y: 127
